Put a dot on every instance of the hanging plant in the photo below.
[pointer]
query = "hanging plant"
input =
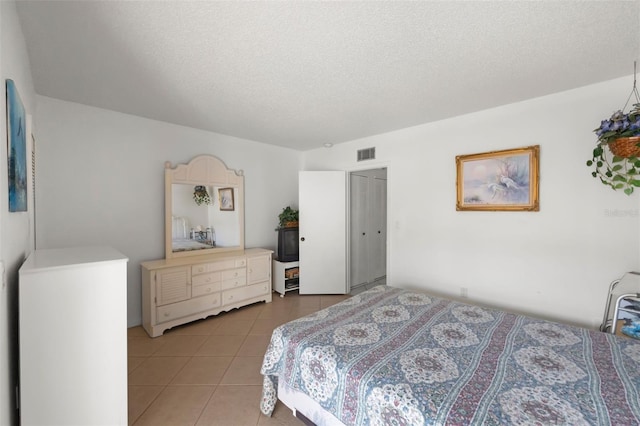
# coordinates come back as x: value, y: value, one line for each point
x: 615, y: 158
x: 201, y: 196
x: 616, y: 155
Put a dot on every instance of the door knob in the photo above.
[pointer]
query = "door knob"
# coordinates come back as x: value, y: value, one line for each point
x: 302, y: 239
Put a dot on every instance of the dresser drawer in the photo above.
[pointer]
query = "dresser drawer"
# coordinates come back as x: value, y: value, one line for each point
x: 234, y: 273
x: 246, y: 292
x: 200, y: 290
x: 203, y: 279
x: 202, y: 268
x: 188, y: 307
x: 234, y: 283
x: 199, y: 269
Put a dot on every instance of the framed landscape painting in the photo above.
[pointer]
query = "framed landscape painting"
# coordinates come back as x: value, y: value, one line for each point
x: 16, y: 149
x: 499, y: 180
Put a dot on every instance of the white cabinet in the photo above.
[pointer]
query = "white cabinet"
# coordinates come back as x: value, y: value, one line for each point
x: 73, y: 337
x: 180, y: 290
x: 286, y: 276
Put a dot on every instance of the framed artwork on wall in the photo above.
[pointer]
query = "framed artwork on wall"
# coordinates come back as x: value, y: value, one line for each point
x: 225, y: 196
x: 504, y: 180
x: 16, y: 149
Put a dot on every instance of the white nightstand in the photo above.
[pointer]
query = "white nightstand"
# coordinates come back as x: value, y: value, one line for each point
x: 286, y: 276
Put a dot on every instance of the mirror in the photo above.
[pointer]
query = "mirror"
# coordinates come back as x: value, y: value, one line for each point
x: 204, y: 208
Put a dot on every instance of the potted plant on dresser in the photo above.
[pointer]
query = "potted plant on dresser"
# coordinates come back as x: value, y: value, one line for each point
x: 616, y: 155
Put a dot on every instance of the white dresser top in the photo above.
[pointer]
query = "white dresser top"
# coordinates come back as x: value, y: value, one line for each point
x: 44, y: 259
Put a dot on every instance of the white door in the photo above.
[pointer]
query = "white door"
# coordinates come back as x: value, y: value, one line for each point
x: 322, y: 202
x: 368, y: 226
x: 359, y: 245
x: 378, y: 229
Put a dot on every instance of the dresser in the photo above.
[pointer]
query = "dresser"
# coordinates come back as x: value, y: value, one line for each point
x: 180, y: 290
x: 73, y: 337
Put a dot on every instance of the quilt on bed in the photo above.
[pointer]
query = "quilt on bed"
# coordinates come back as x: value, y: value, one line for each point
x: 393, y: 356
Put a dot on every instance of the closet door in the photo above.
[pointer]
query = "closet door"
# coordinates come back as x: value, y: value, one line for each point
x: 368, y: 226
x: 378, y: 228
x: 360, y: 232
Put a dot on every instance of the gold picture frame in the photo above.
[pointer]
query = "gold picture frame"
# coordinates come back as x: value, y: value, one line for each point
x: 504, y: 180
x: 225, y: 197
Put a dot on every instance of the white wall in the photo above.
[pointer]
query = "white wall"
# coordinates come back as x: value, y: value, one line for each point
x: 556, y: 263
x: 15, y: 234
x: 100, y: 180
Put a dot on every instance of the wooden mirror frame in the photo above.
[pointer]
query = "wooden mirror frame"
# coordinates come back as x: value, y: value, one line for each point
x: 205, y: 170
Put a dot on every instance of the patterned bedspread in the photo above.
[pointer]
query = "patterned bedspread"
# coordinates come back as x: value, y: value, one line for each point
x: 392, y: 356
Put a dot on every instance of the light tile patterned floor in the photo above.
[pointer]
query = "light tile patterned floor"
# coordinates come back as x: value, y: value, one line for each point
x: 208, y: 372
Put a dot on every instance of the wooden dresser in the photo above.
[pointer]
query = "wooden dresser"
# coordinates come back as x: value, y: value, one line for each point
x: 180, y: 290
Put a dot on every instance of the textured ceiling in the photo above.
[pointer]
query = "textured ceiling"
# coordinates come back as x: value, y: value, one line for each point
x: 301, y: 74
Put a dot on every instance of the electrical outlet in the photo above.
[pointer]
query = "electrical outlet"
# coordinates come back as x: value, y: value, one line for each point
x: 464, y: 292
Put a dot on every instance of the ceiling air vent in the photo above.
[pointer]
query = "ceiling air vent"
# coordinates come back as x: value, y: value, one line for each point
x: 366, y: 154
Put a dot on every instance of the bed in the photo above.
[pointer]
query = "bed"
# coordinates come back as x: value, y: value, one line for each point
x: 188, y: 245
x: 395, y: 356
x: 180, y: 236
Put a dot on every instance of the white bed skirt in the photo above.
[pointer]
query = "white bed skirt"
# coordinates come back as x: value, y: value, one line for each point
x: 303, y: 404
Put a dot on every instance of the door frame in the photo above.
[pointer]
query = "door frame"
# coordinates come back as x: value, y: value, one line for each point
x: 359, y: 168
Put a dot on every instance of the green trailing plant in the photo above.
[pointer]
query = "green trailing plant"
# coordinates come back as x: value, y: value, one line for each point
x: 287, y: 215
x: 619, y: 173
x: 201, y: 196
x: 616, y: 172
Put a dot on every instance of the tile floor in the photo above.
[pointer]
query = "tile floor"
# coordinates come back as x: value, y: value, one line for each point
x: 208, y: 372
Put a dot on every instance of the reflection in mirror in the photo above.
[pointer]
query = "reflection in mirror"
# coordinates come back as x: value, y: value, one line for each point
x: 204, y: 208
x: 210, y: 224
